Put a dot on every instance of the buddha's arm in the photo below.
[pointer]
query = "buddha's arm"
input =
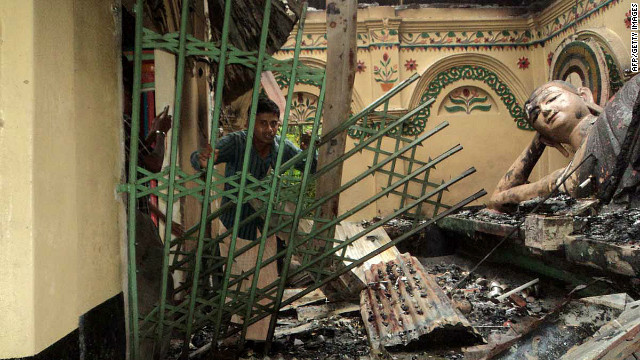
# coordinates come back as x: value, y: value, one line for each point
x: 513, y: 186
x: 523, y: 192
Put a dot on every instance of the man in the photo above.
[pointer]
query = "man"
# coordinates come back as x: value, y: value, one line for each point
x: 564, y: 117
x: 230, y: 150
x: 264, y: 151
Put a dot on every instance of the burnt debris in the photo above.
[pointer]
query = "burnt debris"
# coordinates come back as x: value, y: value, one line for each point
x: 621, y: 226
x: 403, y: 304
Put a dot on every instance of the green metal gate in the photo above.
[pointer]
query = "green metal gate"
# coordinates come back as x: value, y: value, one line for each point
x: 322, y: 256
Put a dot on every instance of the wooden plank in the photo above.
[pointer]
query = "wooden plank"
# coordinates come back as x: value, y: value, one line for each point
x: 245, y: 262
x: 310, y: 298
x: 618, y: 301
x: 272, y: 89
x: 297, y: 329
x: 364, y: 246
x: 314, y: 312
x: 349, y: 285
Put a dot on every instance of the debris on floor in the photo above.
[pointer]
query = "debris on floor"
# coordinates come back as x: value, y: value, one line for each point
x: 617, y: 339
x: 316, y: 329
x: 553, y: 335
x: 477, y: 300
x: 410, y: 306
x: 335, y: 337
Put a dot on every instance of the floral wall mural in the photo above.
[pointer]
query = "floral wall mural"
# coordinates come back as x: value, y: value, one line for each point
x: 466, y: 99
x: 303, y: 107
x: 386, y: 74
x: 411, y: 65
x: 523, y: 63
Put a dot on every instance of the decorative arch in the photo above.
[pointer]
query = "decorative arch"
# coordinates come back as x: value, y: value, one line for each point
x: 616, y: 56
x: 464, y: 67
x: 585, y: 58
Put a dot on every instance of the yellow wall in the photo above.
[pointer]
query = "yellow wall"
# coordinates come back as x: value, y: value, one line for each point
x: 55, y: 180
x: 99, y: 154
x: 61, y: 131
x: 17, y: 332
x: 438, y: 39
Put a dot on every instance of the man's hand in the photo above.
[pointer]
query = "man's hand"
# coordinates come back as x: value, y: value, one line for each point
x: 305, y: 139
x: 162, y: 122
x: 204, y: 155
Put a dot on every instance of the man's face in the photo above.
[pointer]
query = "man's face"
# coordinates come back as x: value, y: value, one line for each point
x: 557, y: 112
x: 266, y: 128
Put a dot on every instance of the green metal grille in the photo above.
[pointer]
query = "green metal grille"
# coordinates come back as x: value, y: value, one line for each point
x: 324, y: 257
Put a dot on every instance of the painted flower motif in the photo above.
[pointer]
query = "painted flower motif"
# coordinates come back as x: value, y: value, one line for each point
x: 627, y: 19
x: 386, y: 72
x: 411, y: 65
x: 303, y: 108
x: 549, y: 58
x: 523, y: 63
x: 467, y: 100
x: 361, y: 67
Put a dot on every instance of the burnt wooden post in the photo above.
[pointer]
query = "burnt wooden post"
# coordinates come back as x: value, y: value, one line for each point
x: 340, y: 74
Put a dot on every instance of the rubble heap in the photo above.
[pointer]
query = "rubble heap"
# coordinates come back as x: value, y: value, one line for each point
x: 620, y: 226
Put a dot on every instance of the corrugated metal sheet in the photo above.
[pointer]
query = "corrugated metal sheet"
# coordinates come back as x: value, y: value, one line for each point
x: 403, y: 303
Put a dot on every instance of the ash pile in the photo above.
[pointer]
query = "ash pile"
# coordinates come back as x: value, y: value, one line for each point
x: 620, y: 226
x: 561, y: 204
x: 479, y: 299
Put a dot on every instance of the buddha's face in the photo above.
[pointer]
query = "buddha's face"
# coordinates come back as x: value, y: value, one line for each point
x: 556, y: 111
